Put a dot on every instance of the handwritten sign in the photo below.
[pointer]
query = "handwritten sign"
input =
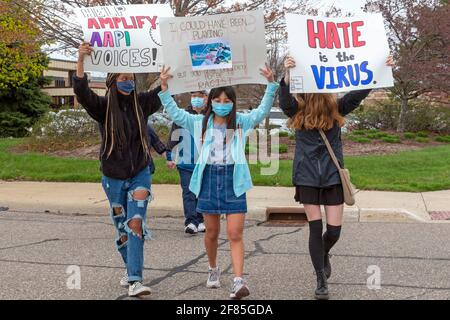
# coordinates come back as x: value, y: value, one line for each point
x: 338, y: 54
x: 238, y: 36
x: 124, y: 38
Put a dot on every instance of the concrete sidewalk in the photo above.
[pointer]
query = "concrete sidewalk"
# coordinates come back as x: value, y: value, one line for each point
x: 89, y: 199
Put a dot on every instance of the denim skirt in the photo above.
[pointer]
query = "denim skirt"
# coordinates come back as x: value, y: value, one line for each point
x: 217, y: 194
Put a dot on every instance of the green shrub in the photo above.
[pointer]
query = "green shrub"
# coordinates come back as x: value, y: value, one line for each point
x: 283, y: 134
x: 282, y: 148
x: 391, y: 139
x: 292, y: 137
x: 359, y: 132
x: 444, y: 139
x: 372, y: 136
x: 422, y: 134
x: 422, y: 140
x: 421, y: 116
x: 409, y: 135
x: 251, y: 149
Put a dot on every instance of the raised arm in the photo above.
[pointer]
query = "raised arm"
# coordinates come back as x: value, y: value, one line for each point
x: 252, y: 119
x: 94, y: 105
x: 150, y: 102
x: 179, y: 116
x: 351, y: 101
x: 287, y: 101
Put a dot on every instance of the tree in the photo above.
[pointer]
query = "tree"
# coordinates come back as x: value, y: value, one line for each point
x: 22, y: 64
x: 419, y: 41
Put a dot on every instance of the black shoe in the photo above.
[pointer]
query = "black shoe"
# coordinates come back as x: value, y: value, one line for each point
x: 321, y: 292
x: 327, y: 265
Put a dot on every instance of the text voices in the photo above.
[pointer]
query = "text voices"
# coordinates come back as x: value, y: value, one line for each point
x: 127, y: 57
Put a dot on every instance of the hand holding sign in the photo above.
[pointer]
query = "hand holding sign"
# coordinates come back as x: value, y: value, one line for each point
x: 267, y: 73
x: 289, y: 63
x: 83, y: 50
x: 165, y: 76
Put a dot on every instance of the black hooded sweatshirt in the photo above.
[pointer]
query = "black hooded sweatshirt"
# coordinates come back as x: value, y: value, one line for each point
x: 128, y: 162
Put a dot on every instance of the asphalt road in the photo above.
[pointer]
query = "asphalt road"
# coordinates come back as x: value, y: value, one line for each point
x: 411, y: 259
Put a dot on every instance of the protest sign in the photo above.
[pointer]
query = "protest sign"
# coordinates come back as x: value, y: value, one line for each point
x: 124, y: 38
x: 214, y: 51
x: 338, y: 54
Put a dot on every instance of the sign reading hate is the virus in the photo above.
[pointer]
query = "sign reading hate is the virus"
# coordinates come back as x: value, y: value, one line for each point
x: 338, y: 54
x: 124, y: 38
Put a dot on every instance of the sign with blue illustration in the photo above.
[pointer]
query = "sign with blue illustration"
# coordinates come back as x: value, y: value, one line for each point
x: 211, y: 54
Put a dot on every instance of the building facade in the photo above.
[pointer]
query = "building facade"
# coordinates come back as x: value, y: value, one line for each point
x: 60, y: 89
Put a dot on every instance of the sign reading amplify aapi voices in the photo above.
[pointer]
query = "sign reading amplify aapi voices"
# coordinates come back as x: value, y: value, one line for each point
x: 124, y: 38
x: 338, y: 54
x: 214, y: 51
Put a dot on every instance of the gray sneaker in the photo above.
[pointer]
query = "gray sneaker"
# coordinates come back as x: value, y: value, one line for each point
x: 137, y: 289
x: 240, y: 289
x: 213, y: 281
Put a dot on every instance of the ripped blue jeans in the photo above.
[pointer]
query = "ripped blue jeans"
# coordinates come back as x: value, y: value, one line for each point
x: 124, y: 208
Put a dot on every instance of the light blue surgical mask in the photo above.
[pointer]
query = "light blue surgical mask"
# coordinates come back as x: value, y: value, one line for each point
x: 197, y: 102
x: 222, y: 109
x: 126, y: 86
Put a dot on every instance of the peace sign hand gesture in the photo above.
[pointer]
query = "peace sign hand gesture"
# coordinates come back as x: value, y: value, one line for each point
x: 165, y: 76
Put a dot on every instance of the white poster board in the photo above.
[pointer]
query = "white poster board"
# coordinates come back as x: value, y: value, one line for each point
x: 338, y: 54
x: 241, y: 36
x: 126, y: 39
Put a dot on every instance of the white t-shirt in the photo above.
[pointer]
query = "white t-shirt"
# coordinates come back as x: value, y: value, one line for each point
x: 220, y: 150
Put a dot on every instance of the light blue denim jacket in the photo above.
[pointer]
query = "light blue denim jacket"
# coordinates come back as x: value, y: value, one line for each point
x: 242, y: 180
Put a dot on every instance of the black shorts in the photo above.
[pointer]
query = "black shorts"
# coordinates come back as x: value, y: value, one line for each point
x: 329, y: 196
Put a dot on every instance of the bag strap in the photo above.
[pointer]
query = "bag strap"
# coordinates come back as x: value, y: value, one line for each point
x: 330, y: 149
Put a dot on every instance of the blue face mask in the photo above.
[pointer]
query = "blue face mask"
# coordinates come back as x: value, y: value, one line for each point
x: 222, y: 109
x: 197, y: 102
x: 126, y: 86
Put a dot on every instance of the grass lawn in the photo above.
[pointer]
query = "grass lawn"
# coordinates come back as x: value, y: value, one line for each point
x: 415, y: 171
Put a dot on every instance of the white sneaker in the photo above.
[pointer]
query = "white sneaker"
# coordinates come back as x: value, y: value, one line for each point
x: 213, y: 281
x: 191, y: 229
x: 137, y: 289
x: 240, y: 289
x: 124, y: 281
x: 201, y: 227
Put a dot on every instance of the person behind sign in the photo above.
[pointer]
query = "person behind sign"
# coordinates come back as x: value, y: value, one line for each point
x: 182, y: 153
x: 221, y: 175
x: 125, y: 160
x: 315, y: 176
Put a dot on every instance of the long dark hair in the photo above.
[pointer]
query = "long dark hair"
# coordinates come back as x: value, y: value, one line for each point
x: 231, y: 118
x: 114, y: 130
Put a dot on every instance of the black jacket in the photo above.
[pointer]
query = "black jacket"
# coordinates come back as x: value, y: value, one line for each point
x: 131, y: 160
x: 313, y: 165
x: 156, y: 144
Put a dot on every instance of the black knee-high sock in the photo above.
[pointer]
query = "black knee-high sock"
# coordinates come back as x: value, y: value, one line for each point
x: 330, y: 237
x: 316, y: 244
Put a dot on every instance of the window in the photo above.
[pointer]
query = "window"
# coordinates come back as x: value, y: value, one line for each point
x: 60, y: 83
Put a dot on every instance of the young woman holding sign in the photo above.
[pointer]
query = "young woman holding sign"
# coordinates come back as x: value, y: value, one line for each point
x: 315, y: 175
x: 221, y: 175
x: 125, y: 160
